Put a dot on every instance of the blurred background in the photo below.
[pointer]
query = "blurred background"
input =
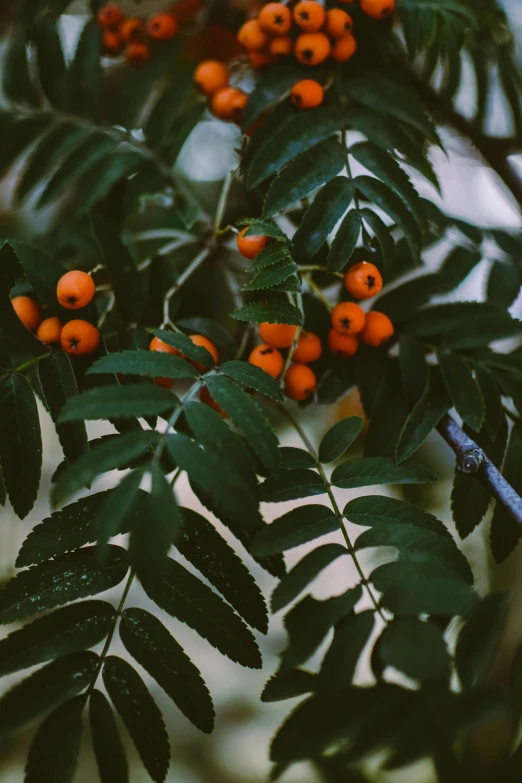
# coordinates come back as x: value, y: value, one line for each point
x: 237, y: 752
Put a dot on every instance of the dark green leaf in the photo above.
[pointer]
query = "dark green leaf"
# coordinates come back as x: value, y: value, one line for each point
x: 266, y: 227
x: 382, y: 234
x: 344, y: 242
x: 184, y: 344
x: 184, y: 596
x: 304, y: 572
x: 435, y: 592
x: 392, y: 98
x: 48, y: 154
x: 415, y: 648
x: 440, y: 318
x: 105, y: 174
x: 161, y: 123
x: 382, y: 165
x: 288, y: 684
x: 46, y: 689
x: 148, y: 363
x: 52, y: 70
x: 157, y: 527
x: 206, y: 471
x: 272, y: 277
x: 86, y: 73
x: 417, y: 535
x: 71, y: 629
x: 67, y: 529
x: 247, y: 417
x: 20, y: 442
x: 368, y: 471
x: 389, y: 410
x: 386, y: 199
x: 291, y: 485
x: 273, y: 311
x: 414, y: 369
x: 505, y: 531
x: 66, y: 578
x: 127, y: 283
x: 426, y: 414
x: 309, y: 622
x: 304, y: 174
x: 182, y: 129
x: 504, y: 283
x: 479, y: 639
x: 108, y: 402
x: 462, y: 389
x: 295, y: 135
x: 253, y: 378
x: 296, y: 527
x: 124, y: 508
x: 350, y: 637
x: 271, y: 85
x: 492, y: 397
x: 58, y: 384
x: 54, y: 751
x: 141, y: 715
x: 469, y: 497
x: 107, y: 745
x: 339, y: 438
x: 151, y: 644
x: 87, y: 152
x: 203, y: 547
x: 43, y: 272
x: 482, y: 330
x: 16, y: 78
x: 320, y: 219
x: 214, y: 331
x: 292, y: 458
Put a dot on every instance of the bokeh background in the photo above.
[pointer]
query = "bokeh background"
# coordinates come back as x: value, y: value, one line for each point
x: 237, y: 752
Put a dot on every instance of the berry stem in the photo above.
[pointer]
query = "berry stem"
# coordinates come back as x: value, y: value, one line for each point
x: 486, y: 472
x: 340, y: 516
x: 182, y: 279
x: 291, y: 350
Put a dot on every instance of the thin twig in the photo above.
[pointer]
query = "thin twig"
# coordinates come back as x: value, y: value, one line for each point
x: 340, y: 516
x: 291, y: 350
x: 472, y: 460
x: 182, y: 279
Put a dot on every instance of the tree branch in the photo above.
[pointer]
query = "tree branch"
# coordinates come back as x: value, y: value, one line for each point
x: 472, y: 460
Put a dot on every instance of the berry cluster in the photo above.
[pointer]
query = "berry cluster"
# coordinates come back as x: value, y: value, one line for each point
x: 350, y: 325
x: 129, y: 35
x: 227, y: 103
x: 308, y: 32
x: 75, y: 290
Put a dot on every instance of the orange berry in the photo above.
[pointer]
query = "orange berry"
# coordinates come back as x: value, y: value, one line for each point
x: 250, y: 246
x: 269, y: 359
x: 251, y: 36
x: 377, y: 330
x: 377, y: 9
x: 308, y: 349
x: 50, y: 331
x: 338, y: 23
x: 309, y: 16
x: 110, y: 15
x: 275, y: 19
x: 277, y: 335
x: 206, y: 397
x: 137, y: 54
x: 279, y: 47
x: 363, y: 280
x: 307, y: 94
x: 210, y: 76
x: 28, y: 311
x: 300, y: 381
x: 79, y: 337
x: 162, y: 27
x: 132, y: 31
x: 343, y: 49
x: 204, y: 342
x: 162, y: 347
x: 312, y: 48
x: 228, y: 104
x: 342, y: 344
x: 348, y: 318
x: 75, y: 289
x: 260, y: 59
x: 112, y: 43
